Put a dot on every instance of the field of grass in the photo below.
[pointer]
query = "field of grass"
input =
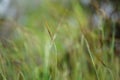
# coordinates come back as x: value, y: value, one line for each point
x: 56, y: 43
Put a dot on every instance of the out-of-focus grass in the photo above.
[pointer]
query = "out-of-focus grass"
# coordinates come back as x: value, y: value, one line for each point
x: 56, y: 43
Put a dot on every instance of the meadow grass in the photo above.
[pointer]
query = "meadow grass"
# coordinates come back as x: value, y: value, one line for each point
x: 56, y: 43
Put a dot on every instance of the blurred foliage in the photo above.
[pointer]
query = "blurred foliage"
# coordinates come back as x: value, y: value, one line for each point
x: 56, y: 42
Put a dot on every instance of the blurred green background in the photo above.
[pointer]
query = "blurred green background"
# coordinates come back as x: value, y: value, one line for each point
x: 56, y: 40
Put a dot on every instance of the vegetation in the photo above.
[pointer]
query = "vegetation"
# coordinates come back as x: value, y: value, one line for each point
x: 56, y: 42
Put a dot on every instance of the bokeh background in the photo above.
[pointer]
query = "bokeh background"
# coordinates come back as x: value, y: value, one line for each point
x: 59, y: 40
